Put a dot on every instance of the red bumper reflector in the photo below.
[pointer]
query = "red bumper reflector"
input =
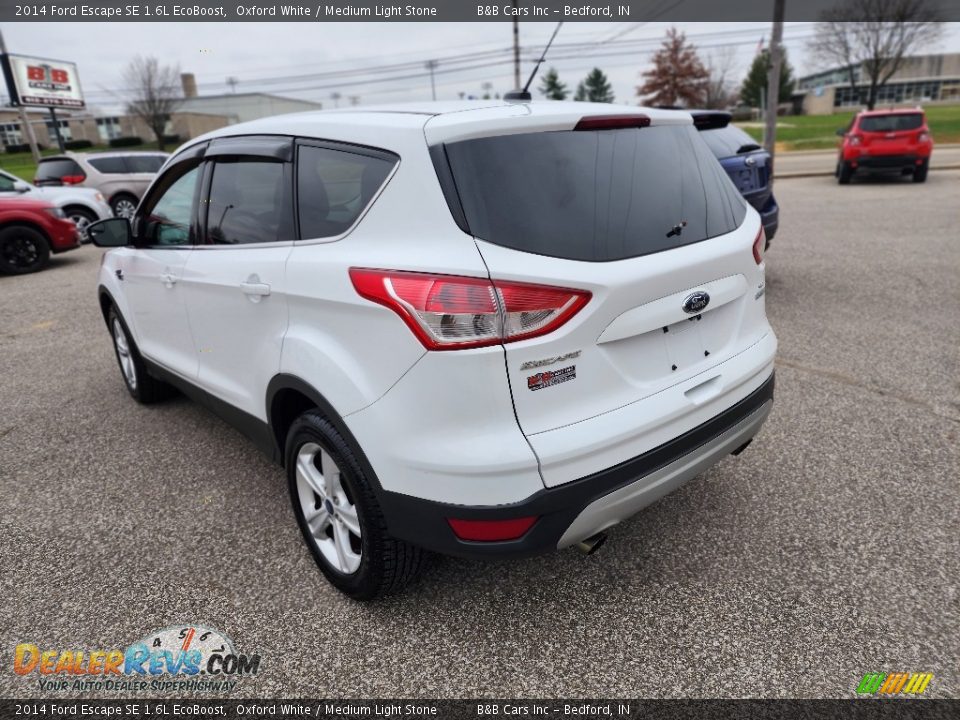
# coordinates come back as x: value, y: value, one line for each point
x: 491, y: 530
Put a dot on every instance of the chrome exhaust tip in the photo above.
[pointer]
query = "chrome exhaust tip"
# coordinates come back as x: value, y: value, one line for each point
x: 591, y: 544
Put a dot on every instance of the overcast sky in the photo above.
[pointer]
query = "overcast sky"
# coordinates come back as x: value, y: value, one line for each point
x: 263, y: 56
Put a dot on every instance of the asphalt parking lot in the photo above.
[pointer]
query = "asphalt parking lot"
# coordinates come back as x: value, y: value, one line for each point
x: 829, y: 549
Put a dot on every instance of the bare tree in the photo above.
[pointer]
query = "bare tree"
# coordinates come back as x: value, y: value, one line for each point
x: 875, y: 35
x: 154, y: 91
x: 719, y: 91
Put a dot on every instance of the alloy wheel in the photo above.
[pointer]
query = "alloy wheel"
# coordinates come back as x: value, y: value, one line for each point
x: 124, y: 208
x: 21, y: 252
x: 328, y: 509
x: 123, y: 352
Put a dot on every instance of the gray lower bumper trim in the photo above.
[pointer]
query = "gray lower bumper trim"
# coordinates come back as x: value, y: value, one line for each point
x: 630, y: 499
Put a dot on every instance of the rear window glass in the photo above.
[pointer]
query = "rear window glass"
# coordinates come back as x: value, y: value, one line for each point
x: 334, y: 187
x: 726, y: 142
x: 109, y: 165
x: 53, y: 170
x: 144, y: 163
x: 595, y: 195
x: 891, y: 123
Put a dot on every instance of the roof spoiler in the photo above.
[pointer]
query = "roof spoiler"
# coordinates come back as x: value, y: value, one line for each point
x: 711, y: 119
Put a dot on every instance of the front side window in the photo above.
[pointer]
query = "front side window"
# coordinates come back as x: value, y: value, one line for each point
x: 168, y: 221
x: 334, y: 187
x: 250, y: 202
x: 6, y: 183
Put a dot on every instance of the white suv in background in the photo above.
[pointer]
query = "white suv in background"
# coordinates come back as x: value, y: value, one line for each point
x: 80, y: 204
x: 479, y: 329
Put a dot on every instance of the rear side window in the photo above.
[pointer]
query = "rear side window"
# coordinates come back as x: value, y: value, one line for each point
x: 595, y: 195
x: 144, y: 163
x: 891, y: 123
x: 334, y: 187
x: 52, y: 170
x: 728, y: 141
x: 250, y: 202
x: 109, y: 165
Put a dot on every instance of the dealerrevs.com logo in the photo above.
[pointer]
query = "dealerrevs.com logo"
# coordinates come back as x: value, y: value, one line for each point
x: 180, y: 658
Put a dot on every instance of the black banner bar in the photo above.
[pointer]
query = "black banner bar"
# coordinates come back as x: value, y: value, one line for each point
x: 575, y: 709
x: 429, y: 10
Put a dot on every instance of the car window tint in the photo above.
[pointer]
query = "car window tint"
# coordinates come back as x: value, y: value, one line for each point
x: 725, y: 142
x: 594, y: 195
x: 53, y: 170
x: 6, y: 183
x: 250, y: 202
x: 891, y: 123
x: 109, y: 165
x: 144, y: 163
x: 334, y: 187
x: 168, y: 222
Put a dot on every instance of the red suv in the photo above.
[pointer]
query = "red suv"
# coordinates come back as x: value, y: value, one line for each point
x: 896, y: 141
x: 30, y: 230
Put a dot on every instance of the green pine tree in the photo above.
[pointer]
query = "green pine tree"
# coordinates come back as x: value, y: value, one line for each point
x: 595, y: 88
x: 755, y: 84
x: 552, y: 88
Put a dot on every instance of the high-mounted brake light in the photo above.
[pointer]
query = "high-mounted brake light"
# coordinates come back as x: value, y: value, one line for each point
x: 759, y: 245
x: 448, y: 312
x: 491, y: 530
x: 612, y: 122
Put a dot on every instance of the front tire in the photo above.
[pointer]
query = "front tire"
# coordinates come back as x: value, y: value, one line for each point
x: 23, y: 250
x: 339, y: 516
x: 142, y: 387
x: 123, y: 205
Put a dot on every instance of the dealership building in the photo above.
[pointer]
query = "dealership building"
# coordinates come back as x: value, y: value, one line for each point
x: 196, y: 114
x: 920, y: 80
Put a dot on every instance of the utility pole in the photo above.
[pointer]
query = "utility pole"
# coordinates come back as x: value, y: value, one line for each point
x: 773, y: 79
x: 24, y: 122
x: 516, y: 48
x: 431, y: 66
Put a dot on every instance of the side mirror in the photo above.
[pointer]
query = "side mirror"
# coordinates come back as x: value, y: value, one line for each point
x: 20, y: 186
x: 112, y: 232
x: 841, y: 132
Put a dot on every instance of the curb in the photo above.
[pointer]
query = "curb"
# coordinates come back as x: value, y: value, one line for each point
x: 830, y: 173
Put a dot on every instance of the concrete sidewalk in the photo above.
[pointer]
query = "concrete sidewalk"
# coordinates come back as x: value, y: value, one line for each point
x: 824, y: 162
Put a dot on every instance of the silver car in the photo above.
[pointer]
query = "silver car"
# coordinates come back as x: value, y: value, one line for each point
x: 122, y: 176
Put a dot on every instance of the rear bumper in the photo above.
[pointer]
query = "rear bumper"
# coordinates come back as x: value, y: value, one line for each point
x: 573, y: 511
x: 883, y: 163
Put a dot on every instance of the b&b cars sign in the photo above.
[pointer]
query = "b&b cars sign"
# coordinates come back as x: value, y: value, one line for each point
x: 40, y: 82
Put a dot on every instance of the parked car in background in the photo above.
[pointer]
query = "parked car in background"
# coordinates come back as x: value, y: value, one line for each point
x: 481, y: 329
x: 122, y: 177
x: 81, y: 205
x: 30, y: 231
x: 746, y: 162
x: 885, y: 141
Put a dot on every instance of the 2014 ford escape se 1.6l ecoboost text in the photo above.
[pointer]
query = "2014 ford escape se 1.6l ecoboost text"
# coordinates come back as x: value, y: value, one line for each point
x: 477, y: 329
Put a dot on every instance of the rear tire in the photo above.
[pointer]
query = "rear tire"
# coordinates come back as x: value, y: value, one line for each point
x: 844, y: 173
x: 920, y: 172
x: 346, y: 531
x: 81, y: 218
x: 23, y: 250
x: 140, y: 384
x: 123, y: 205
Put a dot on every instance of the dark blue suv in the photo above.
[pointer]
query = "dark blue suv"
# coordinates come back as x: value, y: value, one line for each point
x: 746, y: 162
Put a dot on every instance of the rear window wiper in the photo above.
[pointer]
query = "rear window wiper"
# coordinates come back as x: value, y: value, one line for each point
x: 749, y: 147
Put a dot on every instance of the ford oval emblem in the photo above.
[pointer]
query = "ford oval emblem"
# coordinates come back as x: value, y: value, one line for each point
x: 696, y: 302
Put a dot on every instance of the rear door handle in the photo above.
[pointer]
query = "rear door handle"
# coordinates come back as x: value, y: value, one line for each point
x: 255, y: 288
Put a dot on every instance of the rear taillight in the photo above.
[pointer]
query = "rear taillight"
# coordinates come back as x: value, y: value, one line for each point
x: 856, y: 139
x: 759, y: 245
x: 923, y: 137
x: 72, y: 179
x: 449, y: 312
x: 612, y: 122
x: 491, y: 530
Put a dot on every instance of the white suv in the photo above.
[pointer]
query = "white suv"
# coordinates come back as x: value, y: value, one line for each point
x: 478, y: 329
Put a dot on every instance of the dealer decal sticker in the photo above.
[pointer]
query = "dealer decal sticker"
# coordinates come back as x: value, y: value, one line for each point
x: 549, y: 378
